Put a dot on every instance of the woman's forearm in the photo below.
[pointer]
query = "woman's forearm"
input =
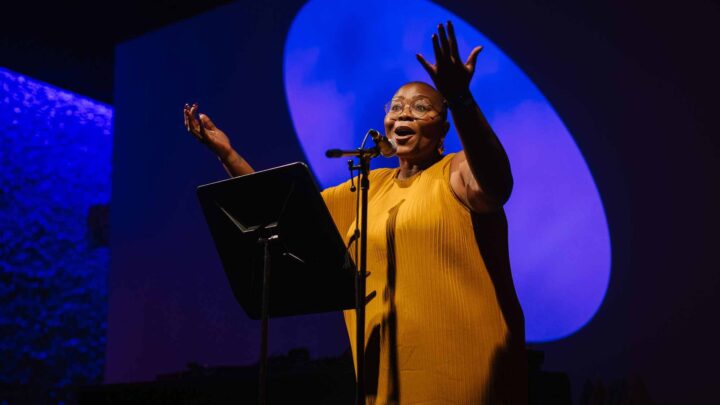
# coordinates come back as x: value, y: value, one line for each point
x: 486, y: 157
x: 235, y: 165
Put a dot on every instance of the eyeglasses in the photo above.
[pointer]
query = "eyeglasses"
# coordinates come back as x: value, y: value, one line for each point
x: 419, y: 108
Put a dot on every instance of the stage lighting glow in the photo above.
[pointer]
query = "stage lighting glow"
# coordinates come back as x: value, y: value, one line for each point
x: 344, y: 60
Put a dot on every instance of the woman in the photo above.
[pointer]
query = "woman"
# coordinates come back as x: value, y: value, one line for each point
x: 446, y: 325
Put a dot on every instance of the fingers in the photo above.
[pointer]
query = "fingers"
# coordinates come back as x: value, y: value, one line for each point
x: 428, y: 67
x: 191, y: 117
x: 202, y: 125
x: 444, y: 42
x: 436, y: 49
x: 472, y: 59
x: 191, y: 124
x: 186, y: 117
x: 207, y: 122
x: 453, y: 42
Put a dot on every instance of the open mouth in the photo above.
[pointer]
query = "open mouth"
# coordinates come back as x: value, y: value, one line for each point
x: 404, y: 131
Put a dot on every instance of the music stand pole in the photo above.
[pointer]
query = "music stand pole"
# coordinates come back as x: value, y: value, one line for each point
x: 265, y: 241
x: 361, y: 279
x: 364, y: 156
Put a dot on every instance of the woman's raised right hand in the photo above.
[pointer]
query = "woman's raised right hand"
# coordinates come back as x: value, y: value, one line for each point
x: 207, y: 133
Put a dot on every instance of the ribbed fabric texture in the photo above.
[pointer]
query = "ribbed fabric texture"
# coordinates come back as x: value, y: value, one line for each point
x: 435, y: 331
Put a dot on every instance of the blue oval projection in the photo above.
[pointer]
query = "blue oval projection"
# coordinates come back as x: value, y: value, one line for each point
x: 343, y: 62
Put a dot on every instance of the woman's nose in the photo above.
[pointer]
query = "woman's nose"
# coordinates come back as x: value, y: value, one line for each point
x: 406, y: 113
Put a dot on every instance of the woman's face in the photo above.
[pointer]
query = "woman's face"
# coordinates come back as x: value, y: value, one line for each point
x: 417, y: 138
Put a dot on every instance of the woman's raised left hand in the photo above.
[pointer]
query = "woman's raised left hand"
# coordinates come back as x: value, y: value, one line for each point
x: 450, y: 75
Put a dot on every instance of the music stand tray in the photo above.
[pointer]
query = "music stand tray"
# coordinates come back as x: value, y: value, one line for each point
x: 312, y: 271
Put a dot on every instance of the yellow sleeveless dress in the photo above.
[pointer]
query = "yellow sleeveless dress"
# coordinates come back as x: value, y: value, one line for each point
x: 445, y: 326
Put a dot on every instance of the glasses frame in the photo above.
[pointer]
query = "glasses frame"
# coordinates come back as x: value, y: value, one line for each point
x: 412, y: 111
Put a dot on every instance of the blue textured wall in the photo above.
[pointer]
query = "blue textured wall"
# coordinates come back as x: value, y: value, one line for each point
x: 55, y: 161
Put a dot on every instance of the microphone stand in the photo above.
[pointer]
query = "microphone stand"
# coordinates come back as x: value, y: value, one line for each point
x: 364, y: 156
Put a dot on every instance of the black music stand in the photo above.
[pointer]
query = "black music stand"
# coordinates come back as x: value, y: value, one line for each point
x: 278, y: 217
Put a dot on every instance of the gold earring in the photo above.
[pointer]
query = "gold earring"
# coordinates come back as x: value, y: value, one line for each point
x: 441, y: 146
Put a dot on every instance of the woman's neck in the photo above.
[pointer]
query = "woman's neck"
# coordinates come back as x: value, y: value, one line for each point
x: 410, y: 167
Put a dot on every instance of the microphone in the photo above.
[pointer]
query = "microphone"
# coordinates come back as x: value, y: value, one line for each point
x: 336, y: 153
x: 383, y: 146
x: 386, y: 147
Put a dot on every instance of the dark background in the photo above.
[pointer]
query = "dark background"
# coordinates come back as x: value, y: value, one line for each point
x: 635, y: 83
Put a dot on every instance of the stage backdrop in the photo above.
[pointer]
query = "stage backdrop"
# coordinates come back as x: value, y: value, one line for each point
x: 171, y: 303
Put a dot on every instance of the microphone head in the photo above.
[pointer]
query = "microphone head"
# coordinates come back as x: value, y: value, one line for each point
x: 391, y: 147
x: 387, y: 147
x: 334, y: 153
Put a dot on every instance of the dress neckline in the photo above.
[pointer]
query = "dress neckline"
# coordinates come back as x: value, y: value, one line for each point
x: 408, y: 180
